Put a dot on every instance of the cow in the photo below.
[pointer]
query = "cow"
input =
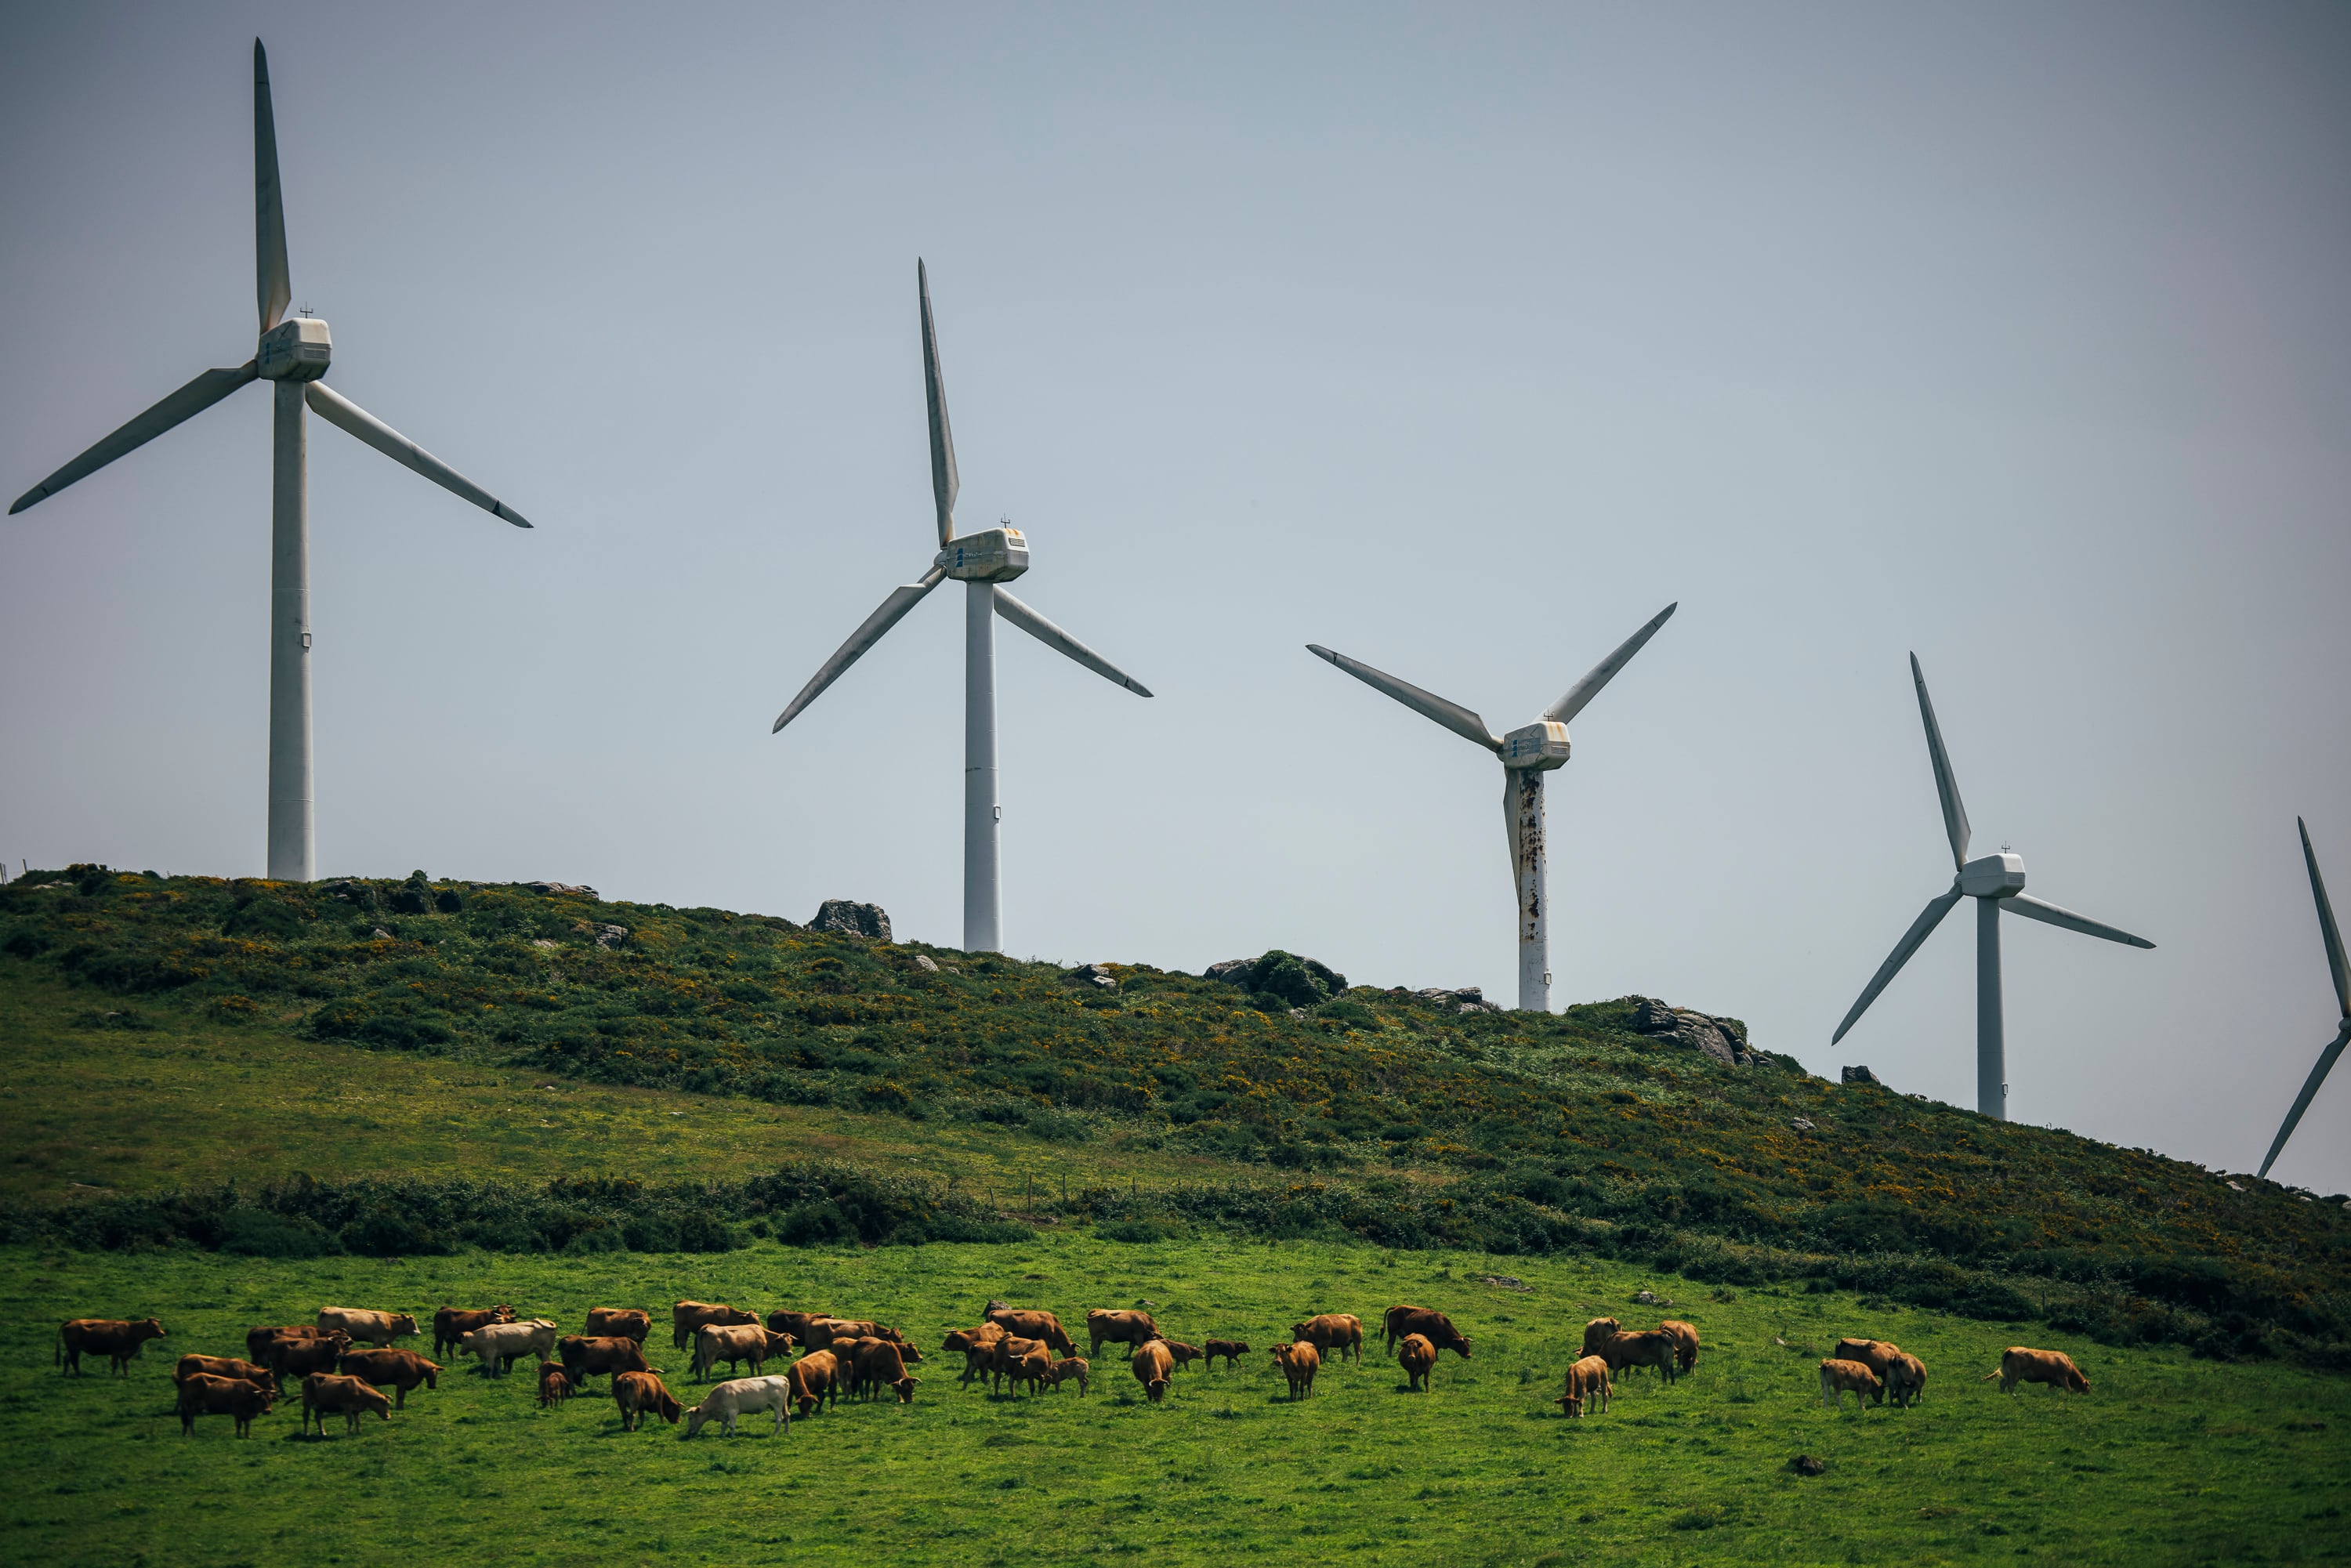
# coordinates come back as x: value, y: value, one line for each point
x: 740, y: 1397
x: 1873, y: 1353
x: 1299, y: 1363
x: 378, y: 1329
x: 1906, y: 1379
x: 398, y: 1369
x: 1067, y: 1368
x: 1005, y: 1357
x: 1043, y: 1326
x: 325, y: 1395
x: 1032, y: 1364
x: 585, y: 1356
x: 2018, y: 1364
x: 1433, y: 1326
x: 202, y: 1393
x: 1643, y: 1347
x: 553, y: 1386
x: 796, y: 1323
x: 1118, y: 1328
x: 1232, y: 1350
x: 816, y: 1381
x: 225, y: 1366
x: 634, y: 1322
x: 686, y: 1317
x: 879, y: 1365
x: 821, y: 1331
x: 1154, y: 1365
x: 1184, y: 1354
x: 1685, y: 1338
x: 1587, y: 1382
x: 1599, y: 1332
x: 290, y: 1358
x: 641, y: 1394
x: 1417, y: 1357
x: 117, y: 1339
x: 1341, y: 1331
x: 258, y: 1340
x: 974, y: 1343
x: 500, y: 1345
x: 1836, y: 1377
x: 744, y: 1341
x: 451, y: 1324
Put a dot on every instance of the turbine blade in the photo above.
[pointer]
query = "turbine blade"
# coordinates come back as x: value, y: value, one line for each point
x: 944, y: 483
x: 1584, y: 690
x: 894, y: 609
x: 338, y: 410
x: 2326, y: 931
x: 2024, y: 904
x: 1920, y: 929
x: 2309, y: 1091
x: 185, y: 404
x: 274, y: 281
x: 1061, y: 641
x: 1452, y: 715
x: 1954, y: 815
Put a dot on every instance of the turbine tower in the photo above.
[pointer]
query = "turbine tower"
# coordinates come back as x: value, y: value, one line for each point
x: 1995, y: 883
x: 1528, y: 753
x: 2336, y: 965
x: 982, y: 562
x: 293, y: 354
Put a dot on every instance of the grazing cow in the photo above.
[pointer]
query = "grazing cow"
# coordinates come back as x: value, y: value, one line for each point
x: 1599, y: 1332
x: 1876, y: 1354
x: 2054, y: 1367
x: 1418, y: 1357
x: 1232, y: 1350
x: 225, y: 1366
x: 117, y: 1339
x: 500, y: 1345
x: 257, y: 1341
x: 1033, y: 1363
x: 1184, y: 1354
x: 291, y: 1358
x: 1118, y: 1328
x: 816, y: 1381
x: 553, y: 1386
x: 642, y: 1393
x: 796, y: 1323
x: 324, y: 1394
x: 1685, y: 1338
x: 1299, y: 1363
x: 1043, y: 1326
x: 1433, y: 1326
x: 741, y: 1397
x: 398, y: 1369
x: 1587, y: 1382
x: 745, y: 1342
x: 1836, y: 1377
x: 686, y: 1317
x: 975, y: 1344
x: 1153, y: 1364
x: 879, y: 1365
x: 585, y: 1356
x: 201, y: 1394
x: 1341, y: 1331
x: 451, y: 1324
x: 1644, y: 1347
x: 633, y: 1322
x: 1906, y: 1379
x: 378, y: 1329
x: 854, y: 1328
x: 1067, y: 1368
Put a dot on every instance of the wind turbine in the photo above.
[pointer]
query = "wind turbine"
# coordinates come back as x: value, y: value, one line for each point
x: 1995, y: 883
x: 981, y: 561
x: 1528, y: 753
x: 2336, y: 965
x: 293, y: 353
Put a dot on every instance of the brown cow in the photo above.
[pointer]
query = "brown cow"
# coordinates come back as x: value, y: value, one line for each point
x: 1873, y: 1353
x: 1299, y: 1363
x: 1836, y: 1377
x: 256, y: 1340
x: 1340, y: 1332
x: 365, y: 1327
x: 1184, y: 1354
x: 1433, y: 1326
x: 639, y: 1394
x: 816, y: 1381
x: 324, y: 1394
x: 1030, y: 1368
x: 1232, y: 1350
x: 398, y: 1369
x: 1004, y: 1358
x: 686, y: 1317
x: 225, y: 1366
x: 1153, y: 1364
x: 1587, y: 1382
x: 553, y: 1386
x: 879, y: 1365
x: 291, y: 1358
x: 1043, y: 1326
x: 1118, y: 1328
x: 117, y: 1339
x: 1418, y: 1356
x: 631, y: 1323
x: 974, y: 1343
x: 201, y: 1394
x: 796, y: 1323
x: 1685, y: 1338
x: 856, y: 1328
x: 451, y: 1324
x: 2018, y: 1364
x: 1906, y: 1379
x: 1599, y: 1332
x: 1067, y: 1368
x: 744, y: 1341
x: 1644, y: 1347
x: 586, y: 1355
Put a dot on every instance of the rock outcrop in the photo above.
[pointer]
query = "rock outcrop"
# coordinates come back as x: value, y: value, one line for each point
x: 1862, y: 1075
x: 1724, y: 1039
x: 845, y: 918
x: 1095, y: 975
x: 1300, y: 982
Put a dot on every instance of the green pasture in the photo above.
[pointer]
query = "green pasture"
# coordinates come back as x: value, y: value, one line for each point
x: 2171, y: 1459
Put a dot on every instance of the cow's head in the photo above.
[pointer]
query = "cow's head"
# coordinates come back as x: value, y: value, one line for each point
x: 906, y: 1387
x: 2075, y: 1381
x: 908, y: 1354
x: 502, y: 1312
x: 694, y: 1420
x: 146, y: 1329
x: 1460, y: 1342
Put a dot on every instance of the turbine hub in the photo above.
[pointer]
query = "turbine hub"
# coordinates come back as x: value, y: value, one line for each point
x: 297, y: 350
x: 1540, y: 745
x: 991, y: 554
x: 1994, y: 876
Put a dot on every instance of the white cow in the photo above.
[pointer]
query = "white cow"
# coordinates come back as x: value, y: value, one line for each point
x: 501, y: 1345
x: 740, y: 1397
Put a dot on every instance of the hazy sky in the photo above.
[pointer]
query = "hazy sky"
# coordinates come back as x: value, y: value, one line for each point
x: 1460, y: 343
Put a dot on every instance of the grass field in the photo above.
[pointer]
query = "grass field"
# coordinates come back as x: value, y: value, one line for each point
x: 2171, y: 1459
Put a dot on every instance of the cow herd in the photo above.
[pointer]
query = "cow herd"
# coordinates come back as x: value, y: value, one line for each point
x: 344, y: 1362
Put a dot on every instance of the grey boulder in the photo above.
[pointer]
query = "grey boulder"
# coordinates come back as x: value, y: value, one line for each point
x: 845, y: 918
x: 1724, y: 1039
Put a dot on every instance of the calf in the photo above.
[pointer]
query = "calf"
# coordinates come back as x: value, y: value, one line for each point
x: 117, y: 1339
x: 1005, y: 1358
x: 1906, y: 1379
x: 1876, y: 1354
x: 324, y: 1394
x: 378, y: 1329
x: 1232, y: 1350
x: 1341, y: 1331
x: 686, y: 1317
x: 1067, y: 1368
x: 225, y: 1366
x: 500, y: 1345
x: 641, y: 1394
x: 1118, y: 1328
x: 291, y: 1358
x: 1184, y: 1354
x: 744, y: 1341
x: 1646, y: 1347
x: 1154, y: 1365
x: 585, y: 1356
x: 1836, y: 1377
x: 451, y: 1324
x: 1587, y: 1382
x: 1433, y: 1326
x: 1685, y: 1338
x: 201, y: 1394
x: 1299, y: 1363
x: 975, y: 1344
x: 1043, y: 1326
x: 879, y: 1365
x: 816, y: 1381
x: 553, y: 1386
x: 398, y: 1369
x: 631, y: 1322
x: 1418, y: 1358
x: 741, y: 1397
x: 2054, y: 1367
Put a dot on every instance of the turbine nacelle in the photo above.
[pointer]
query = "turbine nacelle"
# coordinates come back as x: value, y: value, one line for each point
x: 991, y: 554
x: 1542, y: 746
x: 297, y: 349
x: 1992, y: 876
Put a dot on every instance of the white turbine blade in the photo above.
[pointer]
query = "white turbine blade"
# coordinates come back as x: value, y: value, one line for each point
x: 894, y: 609
x: 1452, y: 715
x: 274, y: 280
x: 1920, y: 929
x: 1061, y: 641
x: 1584, y: 690
x: 185, y: 404
x: 336, y: 408
x: 1954, y: 815
x: 2326, y: 931
x: 2024, y: 904
x: 2309, y: 1091
x: 944, y: 483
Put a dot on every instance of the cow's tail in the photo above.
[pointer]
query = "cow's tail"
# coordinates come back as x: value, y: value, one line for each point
x: 58, y: 1359
x: 1988, y: 1376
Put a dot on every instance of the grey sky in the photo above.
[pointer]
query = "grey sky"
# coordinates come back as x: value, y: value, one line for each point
x: 2016, y: 336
